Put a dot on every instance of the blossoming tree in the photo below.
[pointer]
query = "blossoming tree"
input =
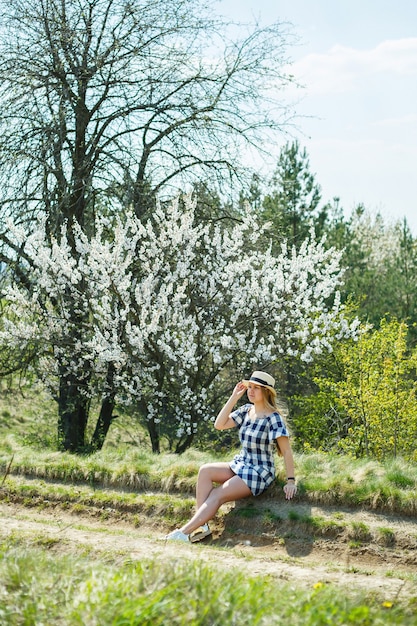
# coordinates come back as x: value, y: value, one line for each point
x: 170, y: 311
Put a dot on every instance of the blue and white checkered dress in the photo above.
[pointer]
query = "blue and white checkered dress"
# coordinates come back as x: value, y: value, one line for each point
x: 255, y: 462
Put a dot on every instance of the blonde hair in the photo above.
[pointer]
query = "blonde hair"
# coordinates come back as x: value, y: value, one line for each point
x: 273, y: 403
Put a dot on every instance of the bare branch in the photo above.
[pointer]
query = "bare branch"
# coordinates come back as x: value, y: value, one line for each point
x: 97, y: 94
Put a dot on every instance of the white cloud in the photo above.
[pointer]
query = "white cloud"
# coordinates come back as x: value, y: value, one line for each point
x: 398, y: 56
x: 342, y: 69
x: 397, y: 122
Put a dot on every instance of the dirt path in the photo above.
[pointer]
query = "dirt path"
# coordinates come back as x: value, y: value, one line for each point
x: 388, y: 571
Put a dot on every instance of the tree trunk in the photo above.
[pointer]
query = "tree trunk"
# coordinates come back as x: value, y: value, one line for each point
x: 184, y: 444
x: 103, y: 423
x: 73, y: 408
x: 106, y: 412
x: 154, y: 435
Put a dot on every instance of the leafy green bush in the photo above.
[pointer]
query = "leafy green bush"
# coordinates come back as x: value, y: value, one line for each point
x: 368, y: 405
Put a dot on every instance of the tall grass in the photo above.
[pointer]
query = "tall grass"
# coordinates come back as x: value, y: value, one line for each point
x: 389, y: 486
x: 38, y: 588
x: 123, y: 467
x: 126, y: 462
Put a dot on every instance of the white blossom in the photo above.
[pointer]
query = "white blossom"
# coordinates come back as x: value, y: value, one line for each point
x: 171, y: 303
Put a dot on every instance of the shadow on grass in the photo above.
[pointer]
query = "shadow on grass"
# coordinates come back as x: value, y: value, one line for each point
x: 269, y: 519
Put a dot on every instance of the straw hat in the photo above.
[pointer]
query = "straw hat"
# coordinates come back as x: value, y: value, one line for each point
x: 262, y: 379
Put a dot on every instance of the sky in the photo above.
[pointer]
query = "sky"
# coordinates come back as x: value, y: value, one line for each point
x: 357, y: 61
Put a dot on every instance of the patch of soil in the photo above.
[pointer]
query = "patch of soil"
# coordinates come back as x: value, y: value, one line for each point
x: 296, y: 542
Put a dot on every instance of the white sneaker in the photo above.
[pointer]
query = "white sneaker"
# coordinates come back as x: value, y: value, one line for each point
x: 200, y: 533
x: 177, y: 535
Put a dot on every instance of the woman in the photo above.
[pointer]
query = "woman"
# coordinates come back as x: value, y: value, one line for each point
x: 252, y: 470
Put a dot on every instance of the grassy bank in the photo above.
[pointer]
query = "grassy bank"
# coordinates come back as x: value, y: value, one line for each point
x: 389, y: 486
x: 28, y: 423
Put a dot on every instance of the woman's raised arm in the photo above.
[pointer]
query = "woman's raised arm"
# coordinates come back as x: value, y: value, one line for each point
x: 223, y: 420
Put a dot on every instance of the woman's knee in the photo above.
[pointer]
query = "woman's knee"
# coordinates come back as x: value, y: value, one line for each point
x: 216, y: 472
x: 204, y: 469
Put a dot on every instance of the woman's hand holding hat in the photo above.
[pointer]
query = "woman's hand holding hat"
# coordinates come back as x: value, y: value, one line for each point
x: 239, y: 390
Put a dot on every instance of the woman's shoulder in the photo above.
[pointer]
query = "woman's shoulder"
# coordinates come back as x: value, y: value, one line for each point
x: 276, y: 417
x: 240, y: 414
x: 242, y: 410
x: 245, y: 408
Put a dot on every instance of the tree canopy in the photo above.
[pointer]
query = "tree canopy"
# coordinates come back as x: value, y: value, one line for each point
x: 105, y: 103
x: 165, y: 334
x: 107, y: 292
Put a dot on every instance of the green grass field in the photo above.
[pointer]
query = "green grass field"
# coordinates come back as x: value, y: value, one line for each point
x: 42, y: 584
x: 37, y: 588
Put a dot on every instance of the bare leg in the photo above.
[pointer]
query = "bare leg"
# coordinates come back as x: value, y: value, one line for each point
x: 208, y: 474
x: 232, y: 489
